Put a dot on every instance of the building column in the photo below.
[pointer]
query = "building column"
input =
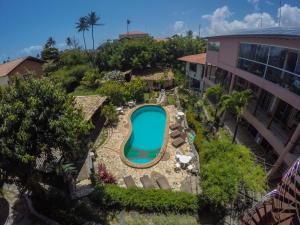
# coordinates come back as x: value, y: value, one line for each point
x: 273, y: 110
x: 232, y: 82
x: 289, y: 147
x: 257, y: 101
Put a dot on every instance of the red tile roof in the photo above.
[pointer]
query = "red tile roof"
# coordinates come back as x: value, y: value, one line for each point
x: 6, y: 68
x: 135, y: 33
x: 198, y: 59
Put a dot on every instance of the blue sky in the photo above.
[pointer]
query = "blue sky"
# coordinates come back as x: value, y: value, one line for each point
x: 26, y: 24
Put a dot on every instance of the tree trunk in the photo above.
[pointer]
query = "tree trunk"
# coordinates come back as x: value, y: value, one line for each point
x: 84, y: 40
x: 235, y: 130
x: 93, y: 37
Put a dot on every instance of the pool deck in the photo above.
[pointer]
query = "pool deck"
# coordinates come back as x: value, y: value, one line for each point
x: 109, y: 154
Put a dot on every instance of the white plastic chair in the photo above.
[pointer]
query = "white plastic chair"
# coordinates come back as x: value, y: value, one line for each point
x: 190, y: 168
x: 177, y: 166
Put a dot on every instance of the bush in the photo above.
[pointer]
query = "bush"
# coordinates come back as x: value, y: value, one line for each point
x: 145, y: 200
x: 73, y: 57
x: 196, y: 126
x: 70, y: 77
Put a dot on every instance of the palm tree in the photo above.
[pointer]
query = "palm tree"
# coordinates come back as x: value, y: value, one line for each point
x: 92, y: 20
x: 217, y: 92
x: 82, y: 26
x: 50, y: 42
x: 69, y: 42
x: 128, y: 23
x: 236, y: 100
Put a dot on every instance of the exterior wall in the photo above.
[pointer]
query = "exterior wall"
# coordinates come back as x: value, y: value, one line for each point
x: 26, y: 66
x: 226, y: 59
x: 3, y: 81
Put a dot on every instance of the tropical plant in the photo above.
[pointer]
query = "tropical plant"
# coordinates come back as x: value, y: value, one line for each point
x: 82, y: 25
x: 92, y: 20
x: 104, y: 176
x: 237, y: 100
x: 215, y: 92
x: 38, y: 125
x: 110, y: 113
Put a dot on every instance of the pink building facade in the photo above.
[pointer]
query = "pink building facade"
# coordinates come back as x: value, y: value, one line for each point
x: 269, y: 65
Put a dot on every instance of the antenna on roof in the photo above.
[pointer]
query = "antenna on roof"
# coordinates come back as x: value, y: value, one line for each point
x: 279, y: 17
x: 199, y: 30
x: 261, y: 20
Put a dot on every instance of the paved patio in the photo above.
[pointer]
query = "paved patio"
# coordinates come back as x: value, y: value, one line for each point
x: 109, y: 155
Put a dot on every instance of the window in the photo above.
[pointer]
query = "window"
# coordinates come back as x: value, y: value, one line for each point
x: 255, y: 52
x: 291, y: 60
x: 277, y: 57
x: 274, y: 75
x: 262, y: 53
x: 193, y: 67
x: 252, y: 67
x: 214, y: 46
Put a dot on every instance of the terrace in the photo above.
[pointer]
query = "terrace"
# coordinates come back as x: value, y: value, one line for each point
x: 109, y: 155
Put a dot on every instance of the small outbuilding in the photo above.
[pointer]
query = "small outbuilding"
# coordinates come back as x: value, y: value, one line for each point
x: 20, y: 67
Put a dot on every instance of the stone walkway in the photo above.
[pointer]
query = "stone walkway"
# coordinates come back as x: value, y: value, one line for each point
x: 109, y: 155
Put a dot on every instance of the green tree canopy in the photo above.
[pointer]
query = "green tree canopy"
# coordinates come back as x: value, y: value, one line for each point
x: 226, y: 169
x: 38, y: 123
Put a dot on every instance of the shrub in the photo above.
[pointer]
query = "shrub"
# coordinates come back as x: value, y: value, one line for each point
x: 146, y: 200
x: 70, y: 77
x: 104, y: 176
x: 114, y: 90
x: 73, y: 57
x: 196, y: 126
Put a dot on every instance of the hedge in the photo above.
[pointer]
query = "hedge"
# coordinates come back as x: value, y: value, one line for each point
x: 145, y: 200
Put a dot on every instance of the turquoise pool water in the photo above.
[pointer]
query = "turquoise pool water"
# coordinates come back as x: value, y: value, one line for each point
x: 147, y: 136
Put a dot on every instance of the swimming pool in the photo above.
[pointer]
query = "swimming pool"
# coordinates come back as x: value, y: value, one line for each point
x: 147, y: 137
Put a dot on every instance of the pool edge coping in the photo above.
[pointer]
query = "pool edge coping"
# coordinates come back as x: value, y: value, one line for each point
x: 126, y: 138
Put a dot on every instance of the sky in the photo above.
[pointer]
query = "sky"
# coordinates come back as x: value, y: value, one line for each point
x: 26, y: 24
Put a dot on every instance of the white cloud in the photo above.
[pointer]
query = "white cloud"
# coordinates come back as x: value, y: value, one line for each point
x: 269, y: 2
x: 32, y: 49
x: 179, y: 27
x: 290, y: 16
x: 220, y: 23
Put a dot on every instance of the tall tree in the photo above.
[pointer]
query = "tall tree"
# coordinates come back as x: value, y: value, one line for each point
x: 82, y: 26
x: 92, y: 20
x: 237, y: 100
x: 38, y: 124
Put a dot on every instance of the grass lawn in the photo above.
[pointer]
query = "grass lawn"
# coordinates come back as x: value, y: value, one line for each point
x: 171, y: 100
x: 150, y: 97
x: 134, y: 218
x: 83, y: 90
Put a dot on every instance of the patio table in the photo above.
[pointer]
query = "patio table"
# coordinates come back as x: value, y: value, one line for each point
x: 184, y: 159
